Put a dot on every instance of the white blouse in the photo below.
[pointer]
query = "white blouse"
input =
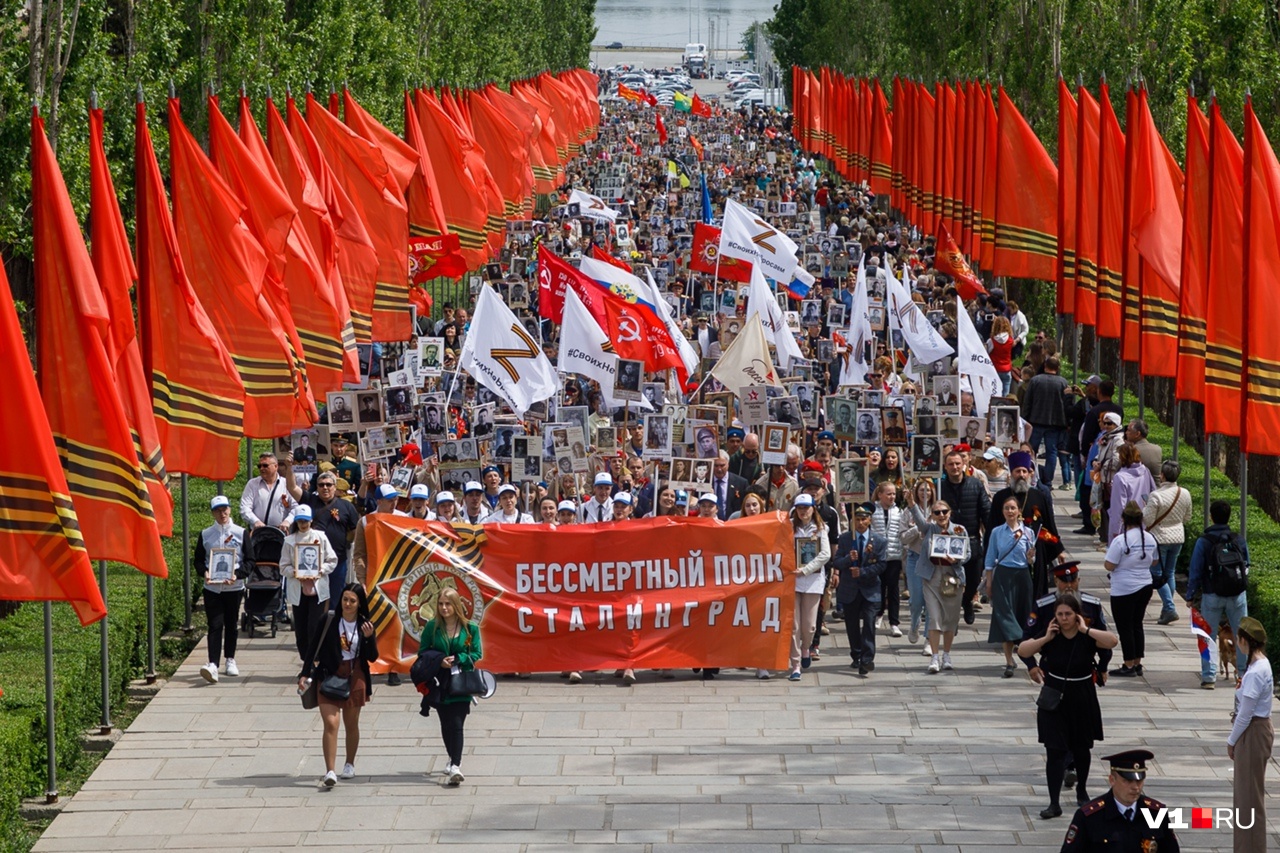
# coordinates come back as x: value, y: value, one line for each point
x: 1253, y: 697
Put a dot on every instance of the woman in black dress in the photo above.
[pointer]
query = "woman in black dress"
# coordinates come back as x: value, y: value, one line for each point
x: 1067, y: 657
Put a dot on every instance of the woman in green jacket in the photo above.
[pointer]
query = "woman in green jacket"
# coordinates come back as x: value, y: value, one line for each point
x: 458, y: 638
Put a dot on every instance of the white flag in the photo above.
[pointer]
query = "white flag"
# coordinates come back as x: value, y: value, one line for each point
x: 687, y: 353
x: 905, y: 315
x: 855, y: 367
x: 592, y: 206
x: 502, y: 356
x: 984, y: 382
x: 762, y: 303
x: 747, y: 236
x: 747, y: 361
x: 584, y: 347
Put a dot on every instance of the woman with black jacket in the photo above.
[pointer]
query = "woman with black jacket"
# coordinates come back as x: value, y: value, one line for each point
x: 344, y: 649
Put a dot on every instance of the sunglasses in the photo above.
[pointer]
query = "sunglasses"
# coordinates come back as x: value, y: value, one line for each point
x: 262, y: 465
x: 942, y: 512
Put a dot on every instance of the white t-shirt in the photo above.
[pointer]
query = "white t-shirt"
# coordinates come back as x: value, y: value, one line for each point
x: 1253, y: 697
x: 349, y: 638
x: 1132, y: 557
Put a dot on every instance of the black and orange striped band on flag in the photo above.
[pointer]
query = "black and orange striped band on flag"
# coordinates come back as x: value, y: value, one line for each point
x: 1026, y: 222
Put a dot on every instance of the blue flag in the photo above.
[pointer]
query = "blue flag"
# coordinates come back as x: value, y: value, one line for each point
x: 706, y: 201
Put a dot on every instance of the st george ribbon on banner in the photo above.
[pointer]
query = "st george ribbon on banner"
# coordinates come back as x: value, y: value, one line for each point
x: 904, y: 314
x: 585, y: 349
x: 592, y: 206
x: 745, y: 235
x: 503, y: 357
x: 657, y: 593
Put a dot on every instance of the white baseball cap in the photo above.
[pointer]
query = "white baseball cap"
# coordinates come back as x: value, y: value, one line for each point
x: 219, y: 501
x: 442, y: 497
x: 419, y: 490
x: 387, y: 492
x: 603, y: 479
x: 566, y: 506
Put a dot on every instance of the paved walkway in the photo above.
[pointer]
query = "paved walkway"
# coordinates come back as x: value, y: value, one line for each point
x: 898, y: 761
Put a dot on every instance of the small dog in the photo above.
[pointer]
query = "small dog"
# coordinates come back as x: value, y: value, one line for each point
x: 1227, y: 652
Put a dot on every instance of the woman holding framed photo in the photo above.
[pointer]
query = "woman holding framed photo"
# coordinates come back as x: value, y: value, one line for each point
x: 943, y: 576
x: 340, y: 663
x: 306, y: 561
x: 813, y: 549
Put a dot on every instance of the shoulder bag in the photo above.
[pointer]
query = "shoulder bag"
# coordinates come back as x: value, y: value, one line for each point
x: 1051, y: 697
x: 310, y: 696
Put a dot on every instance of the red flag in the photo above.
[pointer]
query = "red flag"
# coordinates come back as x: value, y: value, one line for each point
x: 357, y: 257
x: 1068, y: 177
x: 506, y: 151
x: 950, y: 261
x: 1087, y: 119
x: 991, y: 136
x: 198, y: 395
x: 697, y: 146
x: 881, y: 143
x: 628, y: 94
x: 946, y: 154
x: 1110, y: 243
x: 317, y: 243
x: 660, y: 128
x: 1155, y: 181
x: 926, y: 140
x: 1195, y: 258
x: 323, y: 326
x: 114, y: 268
x: 1026, y: 240
x: 465, y: 209
x: 86, y: 416
x: 227, y: 271
x: 495, y: 227
x: 700, y: 107
x: 897, y: 131
x: 377, y: 198
x: 1261, y: 432
x: 601, y: 255
x: 42, y: 552
x: 706, y: 256
x: 546, y: 167
x: 554, y: 275
x: 1223, y: 366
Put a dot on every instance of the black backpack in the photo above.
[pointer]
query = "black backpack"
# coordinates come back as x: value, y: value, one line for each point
x: 1228, y: 567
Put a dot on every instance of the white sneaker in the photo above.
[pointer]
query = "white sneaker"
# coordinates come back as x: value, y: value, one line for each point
x: 574, y: 678
x: 928, y: 649
x: 232, y: 669
x: 330, y: 779
x: 895, y: 631
x: 455, y: 775
x: 209, y: 672
x: 935, y: 665
x: 913, y: 636
x: 348, y: 771
x: 879, y: 622
x: 946, y: 660
x: 763, y: 674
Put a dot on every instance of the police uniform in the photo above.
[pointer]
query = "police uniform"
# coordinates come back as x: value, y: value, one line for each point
x: 1042, y: 614
x: 1102, y: 825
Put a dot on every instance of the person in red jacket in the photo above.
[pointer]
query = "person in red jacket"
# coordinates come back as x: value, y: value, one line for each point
x: 1000, y: 347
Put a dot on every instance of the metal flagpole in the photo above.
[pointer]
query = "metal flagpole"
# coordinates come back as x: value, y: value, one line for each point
x: 1142, y: 403
x: 51, y: 737
x: 104, y: 655
x: 1177, y: 424
x: 151, y: 630
x: 186, y: 561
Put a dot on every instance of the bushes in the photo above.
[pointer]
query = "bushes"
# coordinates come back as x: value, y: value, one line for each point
x: 77, y: 674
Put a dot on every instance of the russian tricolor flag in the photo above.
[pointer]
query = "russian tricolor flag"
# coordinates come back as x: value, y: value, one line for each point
x: 801, y: 284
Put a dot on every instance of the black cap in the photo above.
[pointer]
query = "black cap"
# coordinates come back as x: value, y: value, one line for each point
x: 1131, y: 765
x: 1067, y: 571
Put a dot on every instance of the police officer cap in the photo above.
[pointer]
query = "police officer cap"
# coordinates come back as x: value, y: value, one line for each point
x: 864, y: 509
x: 1131, y: 765
x: 826, y: 435
x: 736, y: 432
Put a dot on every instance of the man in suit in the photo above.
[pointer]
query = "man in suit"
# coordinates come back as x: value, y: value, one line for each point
x: 704, y: 336
x: 859, y: 561
x: 727, y: 487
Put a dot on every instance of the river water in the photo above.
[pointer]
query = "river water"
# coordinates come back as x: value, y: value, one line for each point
x: 673, y: 23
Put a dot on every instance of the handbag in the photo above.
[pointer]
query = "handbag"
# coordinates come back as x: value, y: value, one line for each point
x: 336, y: 687
x: 310, y: 696
x: 1049, y: 699
x: 951, y: 585
x: 467, y: 683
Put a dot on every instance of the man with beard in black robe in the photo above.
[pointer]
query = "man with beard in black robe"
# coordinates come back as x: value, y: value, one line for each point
x: 1037, y: 514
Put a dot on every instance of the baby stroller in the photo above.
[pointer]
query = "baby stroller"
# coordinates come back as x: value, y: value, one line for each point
x: 263, y: 588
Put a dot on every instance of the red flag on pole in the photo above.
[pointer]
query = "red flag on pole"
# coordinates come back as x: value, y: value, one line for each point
x: 1110, y: 244
x: 42, y: 552
x: 113, y: 265
x: 1223, y: 364
x: 1261, y: 432
x: 1068, y: 176
x: 463, y: 200
x: 950, y: 261
x: 80, y: 390
x: 1086, y: 230
x: 227, y: 268
x: 1026, y: 239
x: 881, y: 143
x: 660, y: 127
x: 197, y: 392
x: 1195, y: 258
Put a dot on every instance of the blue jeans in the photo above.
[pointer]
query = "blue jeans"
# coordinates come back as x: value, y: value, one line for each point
x: 915, y: 586
x: 1053, y: 438
x: 1005, y: 379
x: 1162, y: 574
x: 1214, y: 608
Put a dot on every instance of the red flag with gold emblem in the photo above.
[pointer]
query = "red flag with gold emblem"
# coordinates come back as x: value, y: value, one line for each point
x: 950, y: 261
x: 196, y: 390
x: 77, y: 383
x: 113, y: 265
x: 42, y: 551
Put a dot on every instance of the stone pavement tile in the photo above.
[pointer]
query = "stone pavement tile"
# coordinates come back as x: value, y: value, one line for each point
x: 218, y: 820
x: 713, y: 816
x: 83, y: 824
x: 580, y: 847
x: 770, y: 816
x: 359, y: 814
x: 483, y: 838
x: 232, y: 839
x: 711, y: 845
x: 577, y: 817
x: 645, y: 816
x: 935, y: 817
x: 854, y: 816
x: 300, y: 819
x: 153, y: 823
x: 495, y: 816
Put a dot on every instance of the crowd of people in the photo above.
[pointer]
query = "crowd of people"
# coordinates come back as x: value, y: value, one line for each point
x: 903, y: 492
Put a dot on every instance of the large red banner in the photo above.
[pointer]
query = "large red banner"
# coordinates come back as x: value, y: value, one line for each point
x: 655, y: 594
